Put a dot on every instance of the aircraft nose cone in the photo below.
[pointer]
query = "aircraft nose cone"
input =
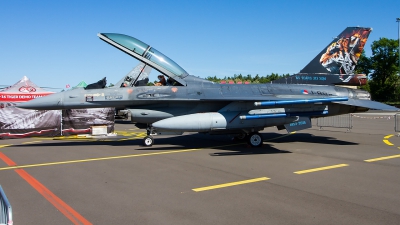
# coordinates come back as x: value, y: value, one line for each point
x: 53, y: 101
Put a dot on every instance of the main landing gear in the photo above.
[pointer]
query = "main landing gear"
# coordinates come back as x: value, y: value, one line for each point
x: 254, y: 139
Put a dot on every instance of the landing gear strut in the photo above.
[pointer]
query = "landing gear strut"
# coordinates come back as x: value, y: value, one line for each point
x: 149, y: 140
x: 254, y: 139
x: 240, y: 136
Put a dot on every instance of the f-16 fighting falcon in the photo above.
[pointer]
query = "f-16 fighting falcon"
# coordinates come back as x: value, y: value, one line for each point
x: 187, y: 103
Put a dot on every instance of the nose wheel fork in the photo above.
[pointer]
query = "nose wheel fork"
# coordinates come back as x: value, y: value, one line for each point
x: 149, y: 140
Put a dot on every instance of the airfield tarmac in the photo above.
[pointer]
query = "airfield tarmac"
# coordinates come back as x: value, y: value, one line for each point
x: 313, y: 176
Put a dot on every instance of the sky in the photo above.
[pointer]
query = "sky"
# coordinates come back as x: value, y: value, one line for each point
x: 55, y: 43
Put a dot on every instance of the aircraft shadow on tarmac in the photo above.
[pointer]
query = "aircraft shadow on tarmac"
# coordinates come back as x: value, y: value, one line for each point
x: 264, y: 149
x: 224, y: 143
x: 306, y: 138
x: 196, y: 141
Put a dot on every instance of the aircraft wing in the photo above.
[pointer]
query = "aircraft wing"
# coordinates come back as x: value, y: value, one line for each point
x: 307, y: 99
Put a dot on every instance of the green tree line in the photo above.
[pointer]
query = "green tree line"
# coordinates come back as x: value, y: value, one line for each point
x: 382, y: 69
x: 243, y: 78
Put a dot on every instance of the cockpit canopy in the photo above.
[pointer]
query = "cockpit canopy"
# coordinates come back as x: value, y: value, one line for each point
x: 146, y: 54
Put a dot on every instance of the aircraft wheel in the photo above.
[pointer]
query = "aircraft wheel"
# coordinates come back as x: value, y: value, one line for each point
x: 255, y: 139
x: 148, y: 141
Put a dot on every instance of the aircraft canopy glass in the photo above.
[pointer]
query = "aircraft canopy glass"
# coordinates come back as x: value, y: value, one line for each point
x: 128, y: 42
x: 151, y: 54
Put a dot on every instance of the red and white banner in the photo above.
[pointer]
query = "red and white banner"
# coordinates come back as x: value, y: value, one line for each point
x: 19, y: 97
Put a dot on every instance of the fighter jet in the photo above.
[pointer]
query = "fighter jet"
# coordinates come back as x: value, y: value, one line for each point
x: 186, y: 103
x: 336, y: 63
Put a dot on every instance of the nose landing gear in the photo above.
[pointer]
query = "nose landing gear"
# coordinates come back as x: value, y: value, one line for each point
x: 149, y: 140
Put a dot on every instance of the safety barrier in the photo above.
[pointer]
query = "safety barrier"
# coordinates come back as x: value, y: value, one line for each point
x: 397, y: 122
x: 341, y: 121
x: 5, y: 209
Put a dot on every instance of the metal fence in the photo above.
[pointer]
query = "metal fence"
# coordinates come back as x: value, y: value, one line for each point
x: 341, y: 121
x: 5, y: 209
x: 397, y: 122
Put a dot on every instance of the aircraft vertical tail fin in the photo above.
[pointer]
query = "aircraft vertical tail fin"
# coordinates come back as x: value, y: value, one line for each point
x: 335, y: 64
x: 342, y: 54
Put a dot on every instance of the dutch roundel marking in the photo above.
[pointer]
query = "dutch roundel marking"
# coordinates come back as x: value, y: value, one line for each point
x: 305, y: 92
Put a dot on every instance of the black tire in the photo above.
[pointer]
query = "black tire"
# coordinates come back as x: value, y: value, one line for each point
x: 148, y: 141
x: 255, y: 139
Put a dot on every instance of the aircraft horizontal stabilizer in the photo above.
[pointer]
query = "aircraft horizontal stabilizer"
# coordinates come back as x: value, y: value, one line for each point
x: 369, y: 104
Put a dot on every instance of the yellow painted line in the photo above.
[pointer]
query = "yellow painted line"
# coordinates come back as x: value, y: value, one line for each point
x: 97, y: 159
x: 107, y: 158
x: 31, y: 142
x: 387, y: 142
x: 127, y: 139
x: 117, y: 157
x: 230, y: 184
x: 83, y: 138
x: 126, y: 133
x: 321, y: 168
x: 388, y: 136
x: 75, y: 138
x: 382, y: 158
x: 3, y: 146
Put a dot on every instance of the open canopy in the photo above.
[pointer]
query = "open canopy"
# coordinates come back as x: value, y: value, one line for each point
x: 146, y: 54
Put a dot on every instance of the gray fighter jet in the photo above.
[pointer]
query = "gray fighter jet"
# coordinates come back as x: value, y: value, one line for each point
x: 186, y: 103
